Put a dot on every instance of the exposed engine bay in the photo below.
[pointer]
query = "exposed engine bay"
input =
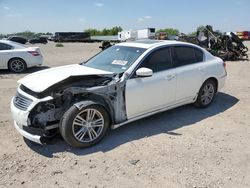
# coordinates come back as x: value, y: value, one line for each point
x: 104, y: 89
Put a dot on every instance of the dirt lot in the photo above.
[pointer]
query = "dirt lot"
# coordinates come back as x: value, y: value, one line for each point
x: 185, y: 147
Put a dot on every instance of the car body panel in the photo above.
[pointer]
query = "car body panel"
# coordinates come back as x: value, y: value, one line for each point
x: 139, y: 92
x: 189, y: 80
x: 42, y: 80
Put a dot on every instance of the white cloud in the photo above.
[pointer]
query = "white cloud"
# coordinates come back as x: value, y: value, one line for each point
x: 147, y: 17
x: 82, y: 20
x: 6, y: 8
x: 144, y: 18
x: 140, y: 19
x: 99, y: 4
x: 13, y: 15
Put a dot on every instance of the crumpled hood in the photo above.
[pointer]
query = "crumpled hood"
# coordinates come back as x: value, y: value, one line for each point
x: 42, y: 80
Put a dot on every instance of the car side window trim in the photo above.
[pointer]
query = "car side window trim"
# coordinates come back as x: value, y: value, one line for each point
x: 132, y: 75
x: 187, y: 46
x: 4, y: 46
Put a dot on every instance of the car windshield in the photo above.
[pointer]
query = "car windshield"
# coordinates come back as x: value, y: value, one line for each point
x: 115, y: 59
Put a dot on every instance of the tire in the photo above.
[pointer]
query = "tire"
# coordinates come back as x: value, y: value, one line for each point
x: 17, y: 65
x: 86, y: 127
x: 206, y: 94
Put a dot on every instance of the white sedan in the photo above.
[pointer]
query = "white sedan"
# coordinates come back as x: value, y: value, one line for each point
x: 18, y: 58
x: 124, y: 83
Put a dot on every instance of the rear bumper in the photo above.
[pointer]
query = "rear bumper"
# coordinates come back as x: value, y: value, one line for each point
x: 35, y: 61
x: 33, y: 138
x: 221, y: 82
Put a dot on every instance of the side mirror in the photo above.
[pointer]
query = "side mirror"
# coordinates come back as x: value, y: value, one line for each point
x: 144, y: 72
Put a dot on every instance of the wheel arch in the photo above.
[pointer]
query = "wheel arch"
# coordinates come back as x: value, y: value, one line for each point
x: 8, y: 64
x: 215, y: 80
x: 94, y: 98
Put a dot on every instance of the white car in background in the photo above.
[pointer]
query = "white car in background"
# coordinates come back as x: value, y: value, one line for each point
x: 18, y: 58
x: 123, y: 83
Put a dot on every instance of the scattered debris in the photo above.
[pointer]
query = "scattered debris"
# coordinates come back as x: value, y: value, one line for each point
x: 56, y: 172
x: 92, y: 166
x: 134, y: 162
x: 226, y: 46
x: 105, y: 45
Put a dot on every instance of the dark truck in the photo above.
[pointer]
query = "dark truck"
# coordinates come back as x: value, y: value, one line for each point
x: 72, y: 37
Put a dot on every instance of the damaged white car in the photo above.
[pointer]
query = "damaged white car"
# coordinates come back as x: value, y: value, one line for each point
x: 124, y: 83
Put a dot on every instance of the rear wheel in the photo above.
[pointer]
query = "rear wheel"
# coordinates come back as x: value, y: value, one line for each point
x: 85, y: 127
x: 17, y: 65
x: 206, y: 94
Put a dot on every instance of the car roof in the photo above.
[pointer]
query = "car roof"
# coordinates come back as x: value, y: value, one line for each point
x: 152, y: 43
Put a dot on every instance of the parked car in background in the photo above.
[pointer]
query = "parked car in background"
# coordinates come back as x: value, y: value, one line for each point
x: 48, y: 37
x: 20, y: 40
x: 244, y: 35
x: 42, y: 40
x: 123, y: 83
x: 18, y: 58
x: 72, y: 37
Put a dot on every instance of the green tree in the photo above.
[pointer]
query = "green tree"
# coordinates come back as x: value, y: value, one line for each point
x: 200, y: 28
x: 105, y: 31
x: 169, y: 31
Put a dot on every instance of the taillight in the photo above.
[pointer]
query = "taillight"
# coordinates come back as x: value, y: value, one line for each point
x: 224, y: 65
x: 34, y: 53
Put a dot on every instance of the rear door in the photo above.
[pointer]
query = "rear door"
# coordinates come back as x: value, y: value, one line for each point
x: 146, y: 94
x: 5, y: 54
x: 189, y: 65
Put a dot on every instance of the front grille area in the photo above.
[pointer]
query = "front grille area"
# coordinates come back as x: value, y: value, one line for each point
x: 22, y: 102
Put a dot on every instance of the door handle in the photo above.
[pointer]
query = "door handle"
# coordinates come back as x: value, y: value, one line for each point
x: 170, y: 77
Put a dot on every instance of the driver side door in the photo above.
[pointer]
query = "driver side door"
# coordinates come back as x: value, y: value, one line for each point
x: 147, y: 94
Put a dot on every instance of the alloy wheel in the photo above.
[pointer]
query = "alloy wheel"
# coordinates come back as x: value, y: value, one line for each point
x: 17, y: 65
x: 88, y: 125
x: 207, y: 94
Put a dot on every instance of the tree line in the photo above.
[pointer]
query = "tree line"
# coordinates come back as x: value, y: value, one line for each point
x: 104, y: 32
x: 96, y: 32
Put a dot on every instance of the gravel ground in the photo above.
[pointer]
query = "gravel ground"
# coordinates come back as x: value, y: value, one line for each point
x: 184, y: 147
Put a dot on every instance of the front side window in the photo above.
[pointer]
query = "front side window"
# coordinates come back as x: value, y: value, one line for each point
x: 183, y: 55
x: 115, y: 59
x: 5, y: 46
x: 159, y: 60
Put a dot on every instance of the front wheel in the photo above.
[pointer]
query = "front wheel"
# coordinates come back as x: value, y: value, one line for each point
x: 84, y: 127
x: 206, y: 94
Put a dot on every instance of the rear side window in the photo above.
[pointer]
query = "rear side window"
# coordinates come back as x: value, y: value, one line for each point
x: 198, y: 55
x: 186, y: 55
x: 159, y: 60
x: 5, y: 46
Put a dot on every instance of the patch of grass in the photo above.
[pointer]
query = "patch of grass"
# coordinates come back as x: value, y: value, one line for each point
x: 59, y: 45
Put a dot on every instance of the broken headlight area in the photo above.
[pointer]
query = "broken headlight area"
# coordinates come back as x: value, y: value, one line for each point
x: 46, y: 115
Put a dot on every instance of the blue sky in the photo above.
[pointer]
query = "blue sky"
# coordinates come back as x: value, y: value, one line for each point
x: 77, y: 15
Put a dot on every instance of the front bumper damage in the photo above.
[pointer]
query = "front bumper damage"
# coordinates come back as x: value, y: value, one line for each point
x: 35, y: 138
x: 22, y: 122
